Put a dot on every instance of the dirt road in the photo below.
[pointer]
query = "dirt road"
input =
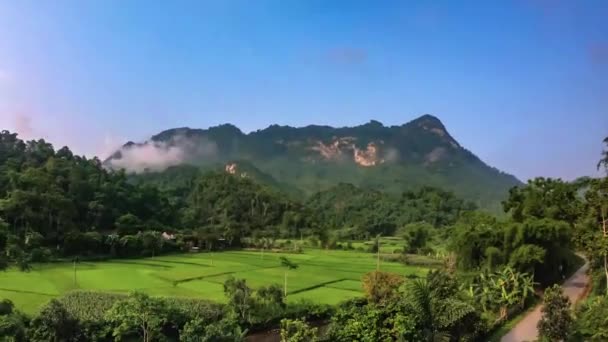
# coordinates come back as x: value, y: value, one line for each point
x: 526, y: 330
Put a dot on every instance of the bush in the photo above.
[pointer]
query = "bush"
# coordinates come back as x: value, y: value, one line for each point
x: 6, y: 307
x: 54, y: 323
x: 308, y: 310
x: 89, y: 305
x: 355, y: 320
x: 13, y: 327
x: 381, y: 287
x: 201, y: 331
x: 40, y: 254
x: 590, y: 324
x: 556, y: 320
x: 92, y: 306
x: 297, y: 331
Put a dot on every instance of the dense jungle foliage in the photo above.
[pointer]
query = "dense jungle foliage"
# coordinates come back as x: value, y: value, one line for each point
x: 56, y: 205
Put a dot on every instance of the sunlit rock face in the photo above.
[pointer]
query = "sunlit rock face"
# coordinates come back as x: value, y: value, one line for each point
x: 230, y: 168
x: 303, y: 160
x: 344, y: 148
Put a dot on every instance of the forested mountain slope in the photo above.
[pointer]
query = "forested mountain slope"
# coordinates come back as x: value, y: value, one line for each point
x: 312, y: 158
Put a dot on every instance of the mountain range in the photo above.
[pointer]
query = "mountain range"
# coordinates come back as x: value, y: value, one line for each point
x: 304, y: 160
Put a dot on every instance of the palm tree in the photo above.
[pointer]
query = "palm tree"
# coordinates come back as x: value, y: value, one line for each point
x: 604, y: 161
x: 289, y: 265
x: 436, y: 314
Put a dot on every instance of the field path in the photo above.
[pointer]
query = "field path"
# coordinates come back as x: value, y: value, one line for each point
x: 526, y: 330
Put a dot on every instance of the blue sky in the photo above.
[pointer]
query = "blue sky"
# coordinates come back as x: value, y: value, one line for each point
x: 521, y: 83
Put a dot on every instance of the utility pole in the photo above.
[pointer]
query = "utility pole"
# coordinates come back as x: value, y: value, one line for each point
x: 378, y: 253
x: 285, y: 287
x: 75, y: 283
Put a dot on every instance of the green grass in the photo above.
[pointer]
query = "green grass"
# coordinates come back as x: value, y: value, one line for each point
x: 323, y: 276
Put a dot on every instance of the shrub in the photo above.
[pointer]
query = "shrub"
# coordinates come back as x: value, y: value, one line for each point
x: 590, y: 324
x: 40, y: 254
x: 89, y: 305
x: 12, y: 327
x: 381, y: 287
x: 308, y: 310
x: 54, y: 323
x: 6, y: 307
x: 297, y: 331
x: 556, y: 320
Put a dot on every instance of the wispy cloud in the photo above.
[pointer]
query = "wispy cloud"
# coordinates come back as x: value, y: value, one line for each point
x: 159, y: 155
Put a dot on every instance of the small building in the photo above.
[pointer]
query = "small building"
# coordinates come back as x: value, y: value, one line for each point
x: 168, y: 236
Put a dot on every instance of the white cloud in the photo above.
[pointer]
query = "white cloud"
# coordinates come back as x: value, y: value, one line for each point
x: 158, y: 156
x: 150, y: 156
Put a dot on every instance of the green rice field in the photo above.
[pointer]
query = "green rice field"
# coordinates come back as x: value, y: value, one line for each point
x: 323, y: 276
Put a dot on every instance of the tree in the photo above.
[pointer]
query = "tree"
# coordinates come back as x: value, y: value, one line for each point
x: 12, y: 323
x: 436, y: 314
x: 604, y: 161
x: 352, y: 322
x: 472, y: 235
x: 590, y: 324
x: 151, y: 242
x: 6, y: 307
x: 556, y: 317
x: 294, y: 330
x: 240, y: 299
x: 381, y: 287
x: 3, y: 240
x: 416, y: 236
x: 24, y: 261
x: 138, y: 313
x: 527, y: 257
x: 128, y: 224
x: 226, y: 330
x: 592, y: 232
x: 193, y: 331
x: 289, y: 265
x: 544, y: 198
x: 54, y: 323
x: 271, y: 294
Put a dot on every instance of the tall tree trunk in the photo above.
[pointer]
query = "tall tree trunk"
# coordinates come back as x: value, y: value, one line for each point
x: 285, y: 286
x: 143, y: 328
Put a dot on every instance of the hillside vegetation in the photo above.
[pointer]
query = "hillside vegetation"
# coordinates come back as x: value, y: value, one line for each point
x: 271, y: 247
x: 305, y: 160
